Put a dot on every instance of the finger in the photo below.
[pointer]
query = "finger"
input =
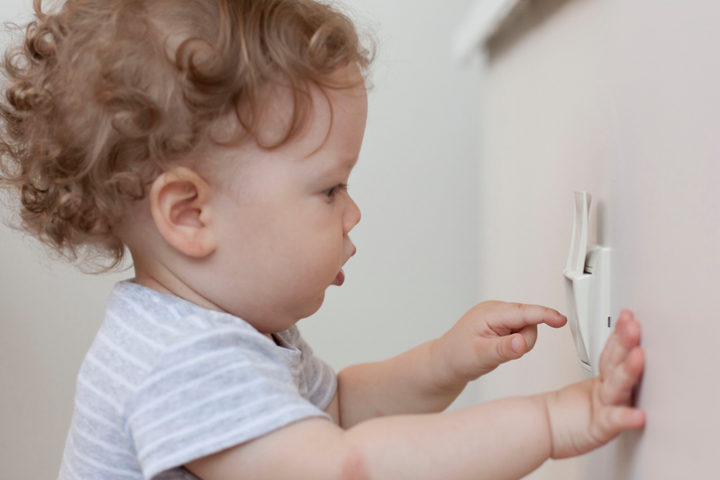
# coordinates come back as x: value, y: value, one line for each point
x: 617, y: 387
x: 529, y: 333
x: 515, y: 316
x: 625, y: 337
x: 508, y: 348
x: 615, y: 420
x: 629, y: 329
x: 613, y: 353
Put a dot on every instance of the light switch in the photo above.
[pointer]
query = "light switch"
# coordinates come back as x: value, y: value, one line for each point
x: 587, y: 287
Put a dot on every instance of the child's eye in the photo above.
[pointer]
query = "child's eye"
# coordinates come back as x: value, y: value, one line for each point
x: 330, y: 192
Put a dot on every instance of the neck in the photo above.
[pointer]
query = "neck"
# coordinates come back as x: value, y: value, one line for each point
x: 159, y: 278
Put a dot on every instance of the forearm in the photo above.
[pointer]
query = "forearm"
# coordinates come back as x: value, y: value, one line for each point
x: 429, y: 377
x: 416, y: 381
x: 505, y: 439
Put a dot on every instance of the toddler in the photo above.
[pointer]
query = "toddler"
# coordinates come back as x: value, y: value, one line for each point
x: 212, y: 140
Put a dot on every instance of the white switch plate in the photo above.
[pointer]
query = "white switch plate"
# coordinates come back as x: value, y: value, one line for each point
x: 588, y: 278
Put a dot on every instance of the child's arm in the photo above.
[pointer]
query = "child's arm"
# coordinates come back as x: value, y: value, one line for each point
x: 504, y: 439
x: 429, y: 377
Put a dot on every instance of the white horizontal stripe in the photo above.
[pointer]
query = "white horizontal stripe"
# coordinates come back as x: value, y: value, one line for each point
x: 222, y: 333
x: 135, y: 333
x: 318, y: 381
x: 139, y: 312
x: 97, y: 418
x: 169, y: 304
x: 185, y: 432
x: 68, y: 449
x: 196, y: 405
x: 193, y: 406
x: 198, y: 322
x: 114, y: 376
x: 328, y: 397
x: 154, y: 378
x: 183, y: 387
x: 157, y: 377
x: 100, y: 443
x: 69, y: 467
x: 120, y: 351
x: 183, y: 455
x: 99, y: 466
x: 108, y: 400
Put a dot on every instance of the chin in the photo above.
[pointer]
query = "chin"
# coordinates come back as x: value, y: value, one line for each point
x: 311, y: 308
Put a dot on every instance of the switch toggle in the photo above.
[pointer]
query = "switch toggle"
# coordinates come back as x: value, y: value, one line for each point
x: 587, y: 288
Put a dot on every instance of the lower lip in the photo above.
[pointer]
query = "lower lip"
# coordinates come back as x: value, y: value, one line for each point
x: 340, y: 279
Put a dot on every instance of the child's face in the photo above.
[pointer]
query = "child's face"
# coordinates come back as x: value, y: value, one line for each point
x: 284, y: 217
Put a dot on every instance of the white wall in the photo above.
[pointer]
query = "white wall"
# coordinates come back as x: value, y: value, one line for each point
x: 415, y: 271
x: 619, y: 98
x: 413, y: 276
x: 49, y: 313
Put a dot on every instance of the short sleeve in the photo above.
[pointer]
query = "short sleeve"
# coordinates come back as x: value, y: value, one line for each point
x: 215, y: 390
x: 319, y: 381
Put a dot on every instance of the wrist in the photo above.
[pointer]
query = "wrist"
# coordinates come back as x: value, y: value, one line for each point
x: 448, y: 377
x: 547, y: 402
x: 568, y: 414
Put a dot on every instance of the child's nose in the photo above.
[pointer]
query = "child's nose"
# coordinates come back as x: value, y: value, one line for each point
x: 352, y: 215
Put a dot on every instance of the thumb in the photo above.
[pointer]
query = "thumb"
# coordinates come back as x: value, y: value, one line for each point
x: 511, y: 347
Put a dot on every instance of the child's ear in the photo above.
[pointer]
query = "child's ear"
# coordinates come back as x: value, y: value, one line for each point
x: 180, y: 207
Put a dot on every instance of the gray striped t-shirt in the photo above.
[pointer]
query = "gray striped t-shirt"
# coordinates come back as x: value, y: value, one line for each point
x: 166, y: 382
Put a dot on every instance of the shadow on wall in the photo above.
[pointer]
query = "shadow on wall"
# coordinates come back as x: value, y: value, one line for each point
x: 616, y: 460
x: 526, y: 16
x: 627, y: 446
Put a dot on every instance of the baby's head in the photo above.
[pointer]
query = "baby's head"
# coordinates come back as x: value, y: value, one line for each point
x: 207, y: 136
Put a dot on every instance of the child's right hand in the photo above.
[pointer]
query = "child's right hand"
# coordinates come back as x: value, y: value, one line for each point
x: 492, y: 333
x: 586, y: 415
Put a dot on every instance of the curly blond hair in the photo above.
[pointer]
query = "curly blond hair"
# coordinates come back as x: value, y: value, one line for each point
x: 102, y: 94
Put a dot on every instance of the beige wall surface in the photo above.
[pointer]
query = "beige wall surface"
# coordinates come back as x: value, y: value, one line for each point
x: 619, y: 98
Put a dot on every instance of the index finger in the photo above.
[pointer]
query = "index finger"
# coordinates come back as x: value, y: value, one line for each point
x: 519, y: 315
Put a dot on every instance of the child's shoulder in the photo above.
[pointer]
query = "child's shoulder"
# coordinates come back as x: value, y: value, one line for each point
x: 160, y: 327
x: 166, y: 317
x: 149, y: 338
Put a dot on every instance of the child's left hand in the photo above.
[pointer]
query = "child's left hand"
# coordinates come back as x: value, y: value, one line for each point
x: 492, y: 333
x: 588, y: 414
